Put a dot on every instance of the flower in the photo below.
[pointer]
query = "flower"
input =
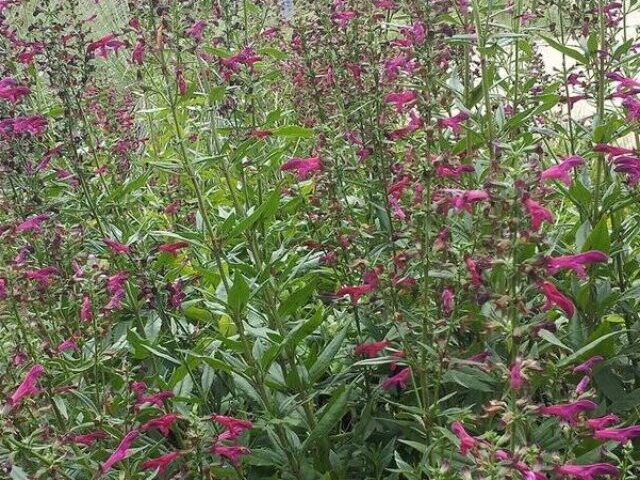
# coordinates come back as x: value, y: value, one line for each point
x: 33, y: 224
x: 583, y: 385
x: 446, y: 298
x: 86, y: 315
x: 161, y: 423
x: 399, y: 380
x: 467, y: 442
x: 233, y: 426
x: 196, y: 30
x: 515, y: 374
x: 86, y: 439
x: 537, y: 213
x: 402, y: 99
x: 555, y: 297
x: 454, y: 122
x: 138, y: 53
x: 587, y: 366
x: 230, y: 452
x: 103, y: 46
x: 115, y: 246
x: 602, y: 422
x: 160, y: 463
x: 28, y: 386
x: 568, y: 411
x: 173, y: 248
x: 42, y: 275
x: 587, y: 472
x: 303, y: 166
x: 12, y: 91
x: 620, y: 435
x: 370, y: 280
x: 371, y: 350
x: 474, y: 271
x: 121, y: 452
x: 561, y: 171
x: 576, y: 262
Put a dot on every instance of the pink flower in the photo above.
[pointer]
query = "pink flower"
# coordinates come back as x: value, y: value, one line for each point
x: 454, y: 123
x: 161, y: 423
x: 371, y: 350
x: 138, y: 53
x: 42, y: 275
x: 633, y: 108
x: 34, y: 125
x: 515, y: 374
x: 467, y: 442
x: 3, y: 288
x: 446, y: 299
x: 555, y: 297
x: 231, y: 453
x: 583, y: 385
x: 561, y: 171
x: 116, y: 247
x: 370, y: 280
x: 173, y: 248
x: 612, y: 150
x: 87, y: 439
x: 115, y: 289
x: 177, y: 295
x: 233, y: 426
x: 181, y: 82
x: 587, y: 472
x: 28, y: 386
x: 568, y: 411
x: 602, y: 422
x: 474, y: 271
x: 587, y: 366
x: 343, y: 18
x: 537, y: 213
x: 196, y: 31
x: 160, y: 463
x: 461, y: 199
x: 103, y: 46
x: 399, y: 380
x: 401, y: 100
x: 303, y: 166
x: 121, y: 452
x: 575, y: 262
x: 155, y: 399
x: 12, y: 91
x: 623, y: 82
x: 68, y: 344
x: 33, y: 224
x: 620, y: 435
x: 415, y: 122
x: 86, y: 315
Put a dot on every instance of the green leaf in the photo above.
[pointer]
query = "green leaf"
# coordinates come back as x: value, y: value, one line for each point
x: 238, y: 293
x: 599, y: 238
x: 264, y: 211
x: 466, y: 380
x: 587, y: 348
x: 568, y: 51
x: 293, y: 131
x: 551, y: 338
x: 332, y: 414
x: 326, y: 357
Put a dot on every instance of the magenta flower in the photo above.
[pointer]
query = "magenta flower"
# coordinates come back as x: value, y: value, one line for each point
x: 68, y: 344
x: 156, y: 399
x: 538, y: 213
x: 620, y: 435
x: 446, y: 299
x: 612, y: 150
x: 474, y: 271
x: 27, y: 387
x: 86, y: 315
x: 103, y: 46
x: 568, y: 411
x: 555, y: 297
x: 34, y: 125
x: 115, y: 246
x: 343, y: 18
x: 623, y: 82
x: 515, y: 374
x: 115, y: 289
x: 138, y: 53
x: 629, y: 165
x: 561, y: 171
x: 415, y: 122
x: 575, y: 262
x: 11, y: 90
x: 587, y: 366
x: 447, y: 171
x: 33, y: 224
x: 162, y: 423
x: 633, y: 108
x: 181, y: 82
x: 303, y: 166
x: 370, y: 283
x: 602, y: 422
x: 583, y: 385
x: 454, y: 122
x: 196, y: 31
x: 230, y: 452
x: 177, y: 295
x: 173, y: 248
x: 3, y: 288
x: 371, y: 350
x: 160, y: 463
x: 42, y: 275
x: 400, y: 379
x: 467, y: 442
x: 233, y: 426
x: 120, y: 453
x: 401, y: 100
x: 86, y: 439
x: 587, y: 472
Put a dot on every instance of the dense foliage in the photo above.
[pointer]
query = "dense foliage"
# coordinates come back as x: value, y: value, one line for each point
x: 358, y: 239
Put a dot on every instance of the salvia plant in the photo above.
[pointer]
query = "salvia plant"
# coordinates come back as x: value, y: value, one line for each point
x: 313, y: 239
